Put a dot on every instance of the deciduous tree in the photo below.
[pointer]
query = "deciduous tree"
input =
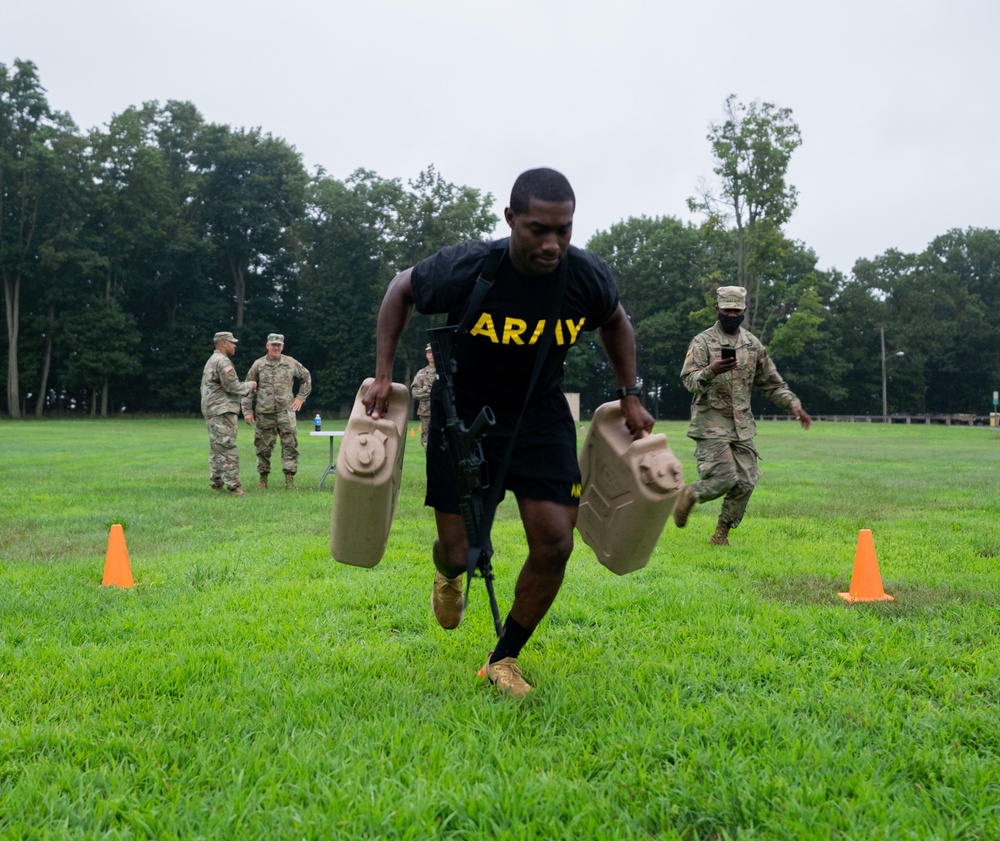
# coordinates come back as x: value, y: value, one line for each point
x: 657, y: 263
x: 102, y: 339
x: 752, y: 146
x: 30, y: 191
x: 253, y: 194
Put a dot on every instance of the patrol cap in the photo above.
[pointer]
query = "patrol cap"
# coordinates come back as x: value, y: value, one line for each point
x: 427, y: 349
x: 731, y: 298
x: 275, y: 339
x: 225, y: 336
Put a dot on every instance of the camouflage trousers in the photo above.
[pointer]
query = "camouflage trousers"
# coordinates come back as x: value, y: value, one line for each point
x: 726, y: 468
x: 223, y: 456
x: 270, y: 427
x: 425, y: 425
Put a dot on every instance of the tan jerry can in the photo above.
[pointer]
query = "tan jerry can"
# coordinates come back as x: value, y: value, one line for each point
x: 629, y: 490
x: 368, y: 474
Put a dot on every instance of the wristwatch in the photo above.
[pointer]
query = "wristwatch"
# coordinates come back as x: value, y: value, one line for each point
x: 629, y: 391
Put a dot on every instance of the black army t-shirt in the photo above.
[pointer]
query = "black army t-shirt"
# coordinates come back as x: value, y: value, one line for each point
x: 495, y: 359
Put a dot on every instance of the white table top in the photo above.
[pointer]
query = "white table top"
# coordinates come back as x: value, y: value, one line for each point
x: 315, y: 434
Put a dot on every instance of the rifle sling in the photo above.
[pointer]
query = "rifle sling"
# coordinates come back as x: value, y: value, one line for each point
x: 483, y: 284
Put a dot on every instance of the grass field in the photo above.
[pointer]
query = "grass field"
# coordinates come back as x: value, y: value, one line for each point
x: 251, y: 687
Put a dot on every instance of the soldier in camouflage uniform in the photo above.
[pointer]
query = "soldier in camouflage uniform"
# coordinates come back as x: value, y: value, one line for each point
x: 273, y: 375
x: 221, y: 391
x: 421, y: 390
x: 721, y: 421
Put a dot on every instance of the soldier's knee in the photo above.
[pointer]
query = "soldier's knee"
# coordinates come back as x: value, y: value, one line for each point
x: 724, y: 477
x: 740, y: 492
x: 550, y: 551
x: 550, y: 560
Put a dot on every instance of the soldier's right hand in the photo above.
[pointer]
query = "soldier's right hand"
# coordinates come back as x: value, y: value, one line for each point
x: 721, y: 366
x: 248, y: 417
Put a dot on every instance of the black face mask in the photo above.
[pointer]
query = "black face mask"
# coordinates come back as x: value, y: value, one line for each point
x: 730, y: 323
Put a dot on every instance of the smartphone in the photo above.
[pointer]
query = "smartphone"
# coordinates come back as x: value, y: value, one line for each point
x: 729, y: 353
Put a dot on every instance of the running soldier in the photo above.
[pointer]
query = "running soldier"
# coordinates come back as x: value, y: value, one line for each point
x: 722, y: 366
x: 494, y: 363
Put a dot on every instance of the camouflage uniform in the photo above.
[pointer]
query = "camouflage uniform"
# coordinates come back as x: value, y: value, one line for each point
x: 421, y: 390
x: 221, y: 390
x: 721, y: 420
x: 275, y: 416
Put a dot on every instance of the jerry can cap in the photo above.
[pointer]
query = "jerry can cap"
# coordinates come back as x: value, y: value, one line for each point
x: 365, y: 453
x: 659, y: 470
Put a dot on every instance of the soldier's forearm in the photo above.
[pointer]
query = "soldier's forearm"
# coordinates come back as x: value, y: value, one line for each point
x: 697, y: 381
x: 393, y: 315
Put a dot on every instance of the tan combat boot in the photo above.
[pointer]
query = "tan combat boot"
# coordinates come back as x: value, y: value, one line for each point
x: 237, y: 491
x: 682, y: 508
x: 262, y: 484
x: 721, y: 536
x: 289, y: 481
x: 448, y: 600
x: 505, y: 675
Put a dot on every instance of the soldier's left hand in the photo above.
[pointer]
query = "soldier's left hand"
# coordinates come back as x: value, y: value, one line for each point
x: 802, y: 416
x: 248, y: 417
x: 376, y: 398
x: 637, y: 419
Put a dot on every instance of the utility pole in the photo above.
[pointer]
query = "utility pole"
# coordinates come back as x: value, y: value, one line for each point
x: 885, y: 401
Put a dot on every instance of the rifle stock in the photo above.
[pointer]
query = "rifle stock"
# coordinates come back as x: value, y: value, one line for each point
x: 465, y: 448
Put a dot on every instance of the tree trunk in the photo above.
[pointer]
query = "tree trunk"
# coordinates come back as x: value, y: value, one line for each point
x: 93, y: 403
x: 741, y: 255
x: 12, y: 302
x: 104, y: 399
x: 753, y: 301
x: 43, y: 385
x: 240, y: 286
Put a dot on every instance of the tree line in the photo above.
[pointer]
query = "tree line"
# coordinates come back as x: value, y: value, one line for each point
x: 123, y: 250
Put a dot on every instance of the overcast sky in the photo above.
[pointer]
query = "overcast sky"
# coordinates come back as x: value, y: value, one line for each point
x: 896, y: 101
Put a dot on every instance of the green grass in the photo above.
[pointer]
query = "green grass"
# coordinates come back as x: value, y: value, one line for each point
x: 251, y: 687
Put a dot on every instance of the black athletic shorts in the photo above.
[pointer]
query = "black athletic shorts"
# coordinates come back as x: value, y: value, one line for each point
x: 543, y: 465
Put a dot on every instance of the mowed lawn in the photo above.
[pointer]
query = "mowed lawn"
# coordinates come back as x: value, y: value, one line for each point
x: 249, y: 686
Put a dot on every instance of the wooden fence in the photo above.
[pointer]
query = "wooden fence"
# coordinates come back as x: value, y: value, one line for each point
x: 953, y: 419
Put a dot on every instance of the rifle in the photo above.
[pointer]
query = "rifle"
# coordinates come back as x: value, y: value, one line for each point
x: 465, y: 447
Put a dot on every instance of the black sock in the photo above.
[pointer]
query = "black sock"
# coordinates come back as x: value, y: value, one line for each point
x: 513, y: 640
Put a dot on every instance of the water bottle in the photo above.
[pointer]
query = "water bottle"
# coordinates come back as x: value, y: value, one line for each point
x: 317, y: 423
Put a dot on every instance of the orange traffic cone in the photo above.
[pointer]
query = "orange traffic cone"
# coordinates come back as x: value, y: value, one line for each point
x: 866, y: 582
x: 117, y: 571
x: 412, y: 432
